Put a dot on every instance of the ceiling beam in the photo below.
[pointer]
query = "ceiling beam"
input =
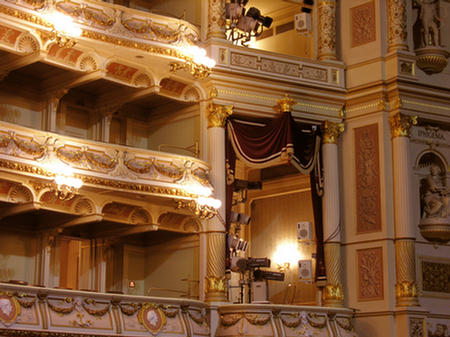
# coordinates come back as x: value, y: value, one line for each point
x: 16, y: 209
x: 69, y: 81
x: 12, y: 62
x: 125, y: 231
x: 81, y: 220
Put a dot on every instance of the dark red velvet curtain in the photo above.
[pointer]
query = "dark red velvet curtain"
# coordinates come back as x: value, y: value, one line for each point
x: 275, y: 142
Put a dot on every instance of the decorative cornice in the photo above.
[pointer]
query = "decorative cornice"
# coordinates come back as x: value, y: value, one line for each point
x: 331, y: 132
x: 218, y: 115
x: 401, y: 124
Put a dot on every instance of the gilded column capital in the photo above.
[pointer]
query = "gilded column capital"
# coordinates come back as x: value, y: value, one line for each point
x: 333, y: 295
x: 405, y: 287
x: 327, y: 30
x: 331, y: 132
x: 401, y: 124
x: 218, y: 114
x: 216, y: 285
x: 285, y: 104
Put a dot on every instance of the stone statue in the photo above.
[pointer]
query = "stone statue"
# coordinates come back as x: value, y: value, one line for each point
x: 434, y: 195
x: 429, y: 21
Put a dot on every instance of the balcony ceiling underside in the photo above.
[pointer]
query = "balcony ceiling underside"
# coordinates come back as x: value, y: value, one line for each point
x: 137, y: 227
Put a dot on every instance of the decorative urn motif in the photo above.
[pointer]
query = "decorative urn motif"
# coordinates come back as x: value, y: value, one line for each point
x: 432, y: 60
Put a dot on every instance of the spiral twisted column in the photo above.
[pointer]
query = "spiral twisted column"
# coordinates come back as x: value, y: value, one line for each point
x: 397, y: 25
x: 327, y: 30
x: 215, y: 282
x: 333, y: 294
x: 216, y: 19
x: 406, y: 289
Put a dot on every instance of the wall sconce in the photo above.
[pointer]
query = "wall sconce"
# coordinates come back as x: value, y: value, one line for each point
x: 63, y: 28
x: 242, y: 26
x: 197, y: 63
x: 67, y: 186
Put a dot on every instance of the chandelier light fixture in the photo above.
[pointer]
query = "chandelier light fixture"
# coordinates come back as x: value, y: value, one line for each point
x: 197, y: 63
x: 63, y: 28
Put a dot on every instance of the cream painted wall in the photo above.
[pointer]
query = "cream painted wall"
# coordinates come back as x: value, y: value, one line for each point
x: 182, y: 133
x: 166, y: 266
x: 16, y: 109
x: 274, y: 224
x: 174, y: 8
x: 289, y: 42
x: 17, y: 253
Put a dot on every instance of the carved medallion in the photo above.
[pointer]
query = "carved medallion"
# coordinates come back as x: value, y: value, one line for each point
x: 9, y: 309
x: 152, y: 318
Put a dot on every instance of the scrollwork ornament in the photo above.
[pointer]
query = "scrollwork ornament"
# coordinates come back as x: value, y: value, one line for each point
x: 21, y: 298
x: 198, y: 320
x: 333, y: 292
x: 285, y: 104
x: 327, y: 30
x: 216, y: 284
x: 62, y: 310
x: 406, y: 289
x: 401, y: 124
x: 331, y: 132
x: 397, y: 25
x: 129, y: 309
x: 345, y: 323
x: 218, y: 115
x: 256, y: 319
x: 230, y: 319
x: 91, y: 302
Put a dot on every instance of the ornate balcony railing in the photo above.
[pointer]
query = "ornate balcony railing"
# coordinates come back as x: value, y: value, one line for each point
x: 35, y: 311
x: 36, y: 158
x: 268, y: 320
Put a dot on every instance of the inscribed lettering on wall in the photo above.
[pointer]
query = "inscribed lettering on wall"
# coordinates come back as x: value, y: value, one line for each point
x: 367, y: 166
x: 370, y: 274
x: 363, y: 24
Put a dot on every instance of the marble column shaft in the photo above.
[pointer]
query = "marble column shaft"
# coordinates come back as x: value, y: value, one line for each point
x: 215, y: 282
x: 333, y: 292
x: 406, y: 289
x: 327, y: 30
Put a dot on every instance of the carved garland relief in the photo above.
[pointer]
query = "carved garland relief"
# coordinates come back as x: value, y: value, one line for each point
x: 370, y: 274
x: 368, y: 199
x: 363, y: 24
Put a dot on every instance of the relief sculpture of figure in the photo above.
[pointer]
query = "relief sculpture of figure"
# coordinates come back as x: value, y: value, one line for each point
x: 434, y: 196
x: 429, y: 20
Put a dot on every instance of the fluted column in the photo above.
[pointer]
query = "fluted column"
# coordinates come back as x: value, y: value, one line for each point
x: 397, y: 29
x: 327, y: 30
x: 333, y: 294
x: 406, y: 289
x: 216, y: 19
x: 215, y: 282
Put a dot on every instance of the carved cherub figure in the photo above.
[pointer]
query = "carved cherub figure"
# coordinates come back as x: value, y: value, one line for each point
x: 429, y: 21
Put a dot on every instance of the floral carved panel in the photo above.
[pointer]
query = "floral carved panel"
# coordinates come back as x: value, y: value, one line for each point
x: 370, y: 274
x: 363, y: 24
x: 367, y: 166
